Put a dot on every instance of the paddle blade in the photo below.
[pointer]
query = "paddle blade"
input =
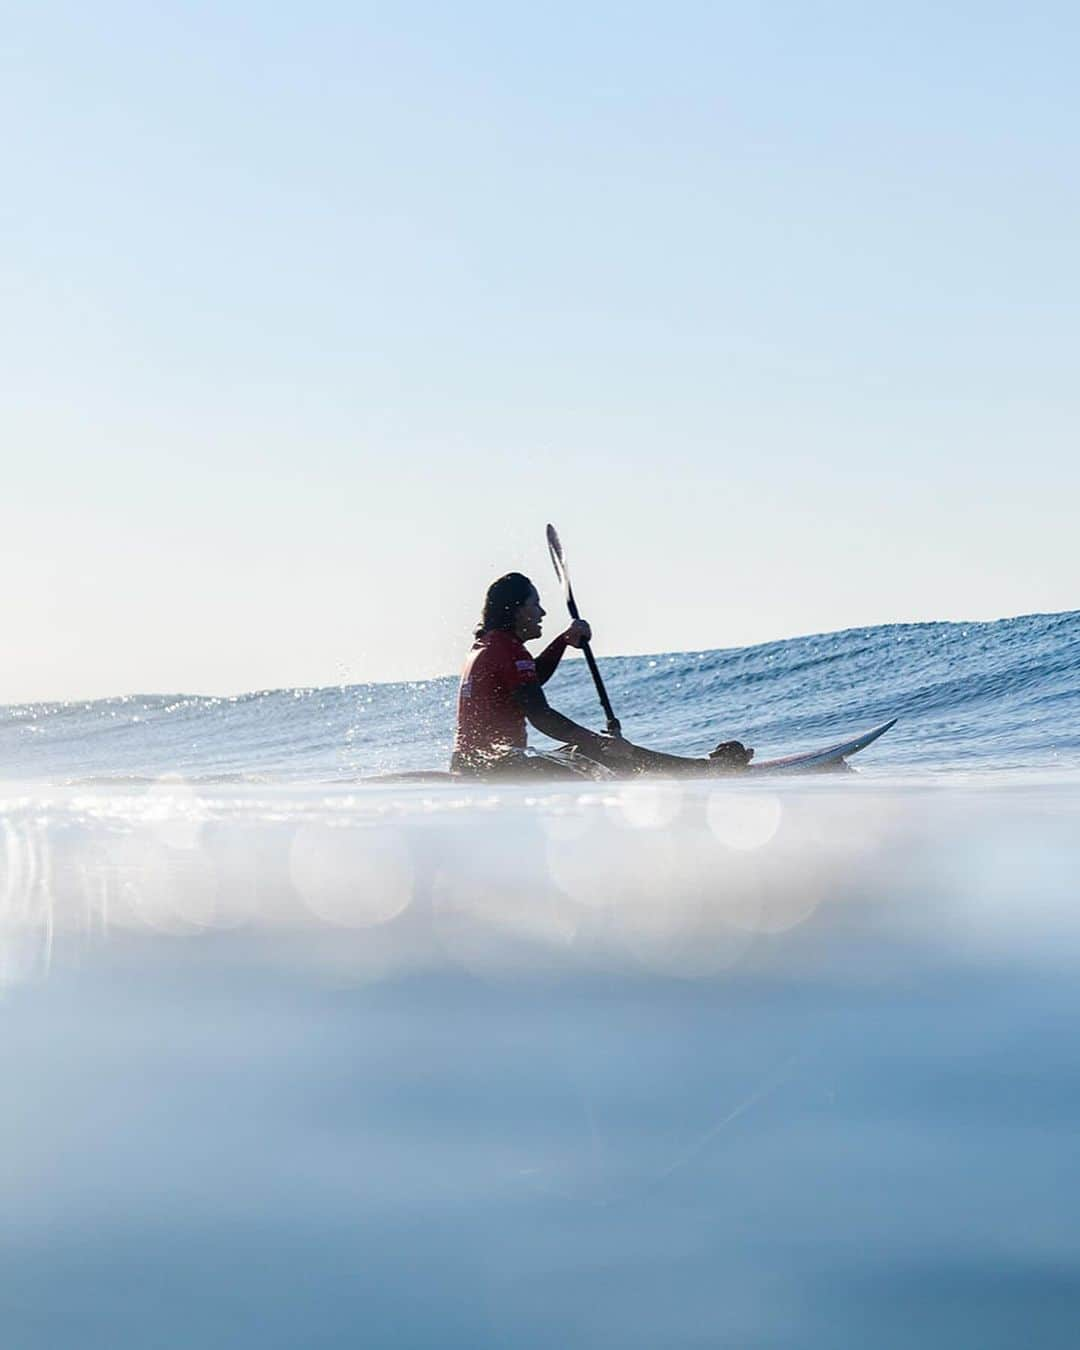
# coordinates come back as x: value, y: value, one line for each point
x: 557, y: 559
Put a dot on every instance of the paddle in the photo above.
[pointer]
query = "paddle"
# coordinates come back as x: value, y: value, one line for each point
x: 559, y: 563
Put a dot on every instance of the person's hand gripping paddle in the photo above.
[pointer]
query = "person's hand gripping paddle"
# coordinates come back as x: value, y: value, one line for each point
x: 559, y: 563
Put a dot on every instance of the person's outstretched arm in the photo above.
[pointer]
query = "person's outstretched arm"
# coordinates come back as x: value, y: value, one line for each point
x: 530, y: 699
x: 621, y: 754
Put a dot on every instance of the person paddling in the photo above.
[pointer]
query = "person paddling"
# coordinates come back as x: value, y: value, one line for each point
x: 501, y: 689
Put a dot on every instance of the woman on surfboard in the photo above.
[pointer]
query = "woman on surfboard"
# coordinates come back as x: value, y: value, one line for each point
x: 502, y: 689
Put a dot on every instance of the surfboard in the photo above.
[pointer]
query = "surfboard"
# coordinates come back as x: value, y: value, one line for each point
x: 828, y: 758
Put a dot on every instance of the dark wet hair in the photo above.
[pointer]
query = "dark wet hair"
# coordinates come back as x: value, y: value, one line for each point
x: 503, y: 600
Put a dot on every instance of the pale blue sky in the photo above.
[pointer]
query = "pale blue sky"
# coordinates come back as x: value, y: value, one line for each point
x: 314, y: 315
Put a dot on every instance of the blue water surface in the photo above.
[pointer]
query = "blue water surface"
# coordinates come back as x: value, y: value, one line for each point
x: 973, y: 696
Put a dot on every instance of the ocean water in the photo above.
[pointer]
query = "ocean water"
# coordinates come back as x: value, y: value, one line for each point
x: 297, y: 1059
x: 975, y: 696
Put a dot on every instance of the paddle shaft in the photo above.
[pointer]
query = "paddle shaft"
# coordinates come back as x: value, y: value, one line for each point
x: 613, y: 724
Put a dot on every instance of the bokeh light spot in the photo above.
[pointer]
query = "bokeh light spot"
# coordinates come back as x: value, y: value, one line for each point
x: 350, y: 875
x: 744, y: 820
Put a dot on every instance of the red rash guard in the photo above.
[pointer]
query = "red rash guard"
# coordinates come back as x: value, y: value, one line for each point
x: 489, y: 722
